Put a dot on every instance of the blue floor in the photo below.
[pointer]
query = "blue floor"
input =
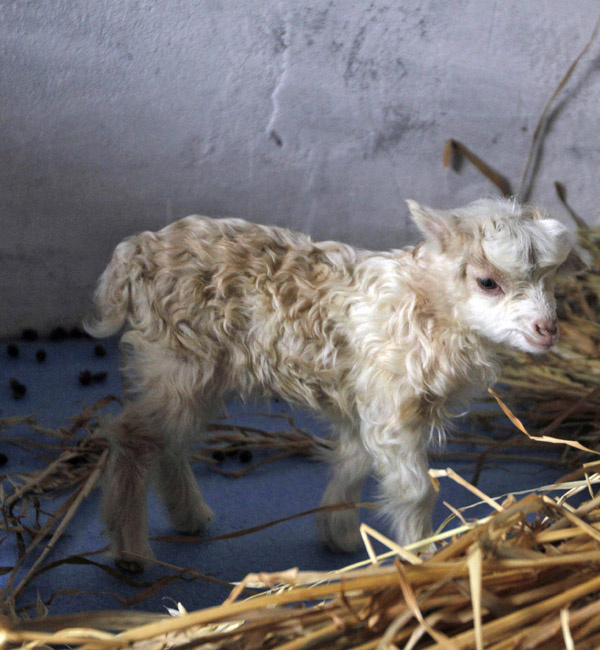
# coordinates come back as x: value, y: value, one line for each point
x: 273, y: 491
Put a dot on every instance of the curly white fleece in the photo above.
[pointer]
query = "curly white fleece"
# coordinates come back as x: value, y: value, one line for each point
x: 386, y: 344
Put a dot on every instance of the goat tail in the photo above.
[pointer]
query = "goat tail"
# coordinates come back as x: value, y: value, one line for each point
x: 112, y: 297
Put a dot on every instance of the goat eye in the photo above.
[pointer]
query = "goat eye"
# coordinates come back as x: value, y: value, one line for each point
x: 487, y: 284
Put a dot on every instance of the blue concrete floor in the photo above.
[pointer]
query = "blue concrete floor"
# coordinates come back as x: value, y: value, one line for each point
x: 270, y: 492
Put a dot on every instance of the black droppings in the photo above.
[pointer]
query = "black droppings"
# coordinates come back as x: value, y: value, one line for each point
x: 40, y: 355
x: 58, y: 334
x: 85, y: 377
x: 18, y: 389
x: 29, y: 334
x: 12, y: 350
x: 218, y: 455
x: 99, y: 351
x: 245, y: 456
x: 3, y: 459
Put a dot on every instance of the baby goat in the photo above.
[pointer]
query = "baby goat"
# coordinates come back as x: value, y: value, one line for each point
x: 387, y: 345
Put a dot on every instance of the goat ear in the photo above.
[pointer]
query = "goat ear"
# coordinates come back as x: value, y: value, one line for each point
x: 578, y: 259
x: 436, y: 225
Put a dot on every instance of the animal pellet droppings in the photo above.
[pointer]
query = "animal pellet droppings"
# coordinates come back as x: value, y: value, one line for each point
x: 99, y: 351
x: 12, y: 350
x: 245, y: 456
x: 29, y: 334
x: 18, y: 389
x: 85, y: 377
x: 58, y: 334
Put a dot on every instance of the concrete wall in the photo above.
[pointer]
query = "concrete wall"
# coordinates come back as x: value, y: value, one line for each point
x: 122, y: 115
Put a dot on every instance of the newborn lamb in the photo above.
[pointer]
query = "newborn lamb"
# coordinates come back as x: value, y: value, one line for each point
x: 386, y: 344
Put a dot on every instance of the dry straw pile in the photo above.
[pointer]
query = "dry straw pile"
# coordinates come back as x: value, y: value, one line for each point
x: 526, y: 577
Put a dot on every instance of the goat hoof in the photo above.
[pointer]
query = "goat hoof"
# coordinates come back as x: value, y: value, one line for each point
x: 194, y: 521
x: 129, y: 565
x: 340, y: 531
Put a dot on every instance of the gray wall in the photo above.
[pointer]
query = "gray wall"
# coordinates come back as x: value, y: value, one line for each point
x: 123, y: 115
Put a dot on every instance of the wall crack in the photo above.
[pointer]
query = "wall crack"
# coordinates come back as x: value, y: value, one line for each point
x: 283, y: 47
